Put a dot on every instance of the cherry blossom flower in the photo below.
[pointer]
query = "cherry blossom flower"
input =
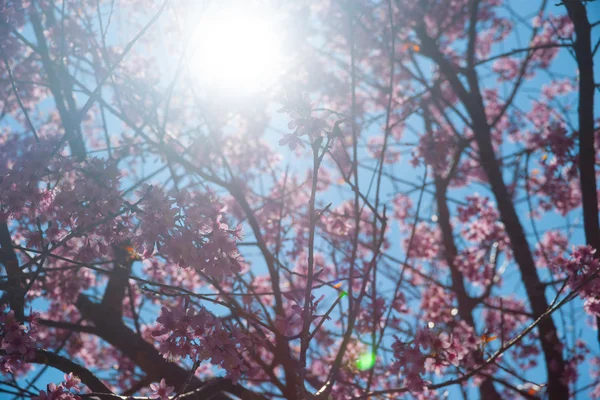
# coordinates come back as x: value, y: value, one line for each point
x: 161, y: 390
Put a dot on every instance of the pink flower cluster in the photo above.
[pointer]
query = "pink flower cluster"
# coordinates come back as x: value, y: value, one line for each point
x: 12, y: 16
x: 435, y: 149
x: 437, y: 304
x: 65, y: 391
x: 595, y: 375
x: 290, y: 324
x: 481, y: 221
x: 188, y: 229
x: 551, y: 28
x: 431, y: 352
x: 577, y: 357
x: 425, y: 241
x: 65, y: 198
x: 474, y: 266
x: 300, y: 109
x: 161, y: 390
x: 83, y: 201
x: 202, y: 336
x: 583, y: 269
x: 16, y: 339
x: 558, y: 178
x: 507, y: 68
x: 22, y: 165
x: 551, y: 252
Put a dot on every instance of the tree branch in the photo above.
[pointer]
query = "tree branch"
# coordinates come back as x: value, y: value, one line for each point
x: 473, y: 102
x: 587, y: 151
x: 65, y: 365
x: 145, y: 355
x: 8, y: 257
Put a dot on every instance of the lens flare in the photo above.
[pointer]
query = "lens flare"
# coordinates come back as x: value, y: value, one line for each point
x: 366, y: 361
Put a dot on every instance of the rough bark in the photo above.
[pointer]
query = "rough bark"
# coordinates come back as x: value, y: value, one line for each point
x: 587, y: 152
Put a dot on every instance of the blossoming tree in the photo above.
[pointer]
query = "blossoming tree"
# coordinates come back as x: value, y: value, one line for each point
x: 425, y: 225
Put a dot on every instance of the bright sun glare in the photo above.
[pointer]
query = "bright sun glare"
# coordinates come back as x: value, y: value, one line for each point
x: 236, y: 50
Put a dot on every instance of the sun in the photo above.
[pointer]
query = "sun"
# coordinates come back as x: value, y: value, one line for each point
x: 236, y: 50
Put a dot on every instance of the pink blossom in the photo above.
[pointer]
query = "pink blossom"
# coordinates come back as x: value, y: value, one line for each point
x: 161, y: 390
